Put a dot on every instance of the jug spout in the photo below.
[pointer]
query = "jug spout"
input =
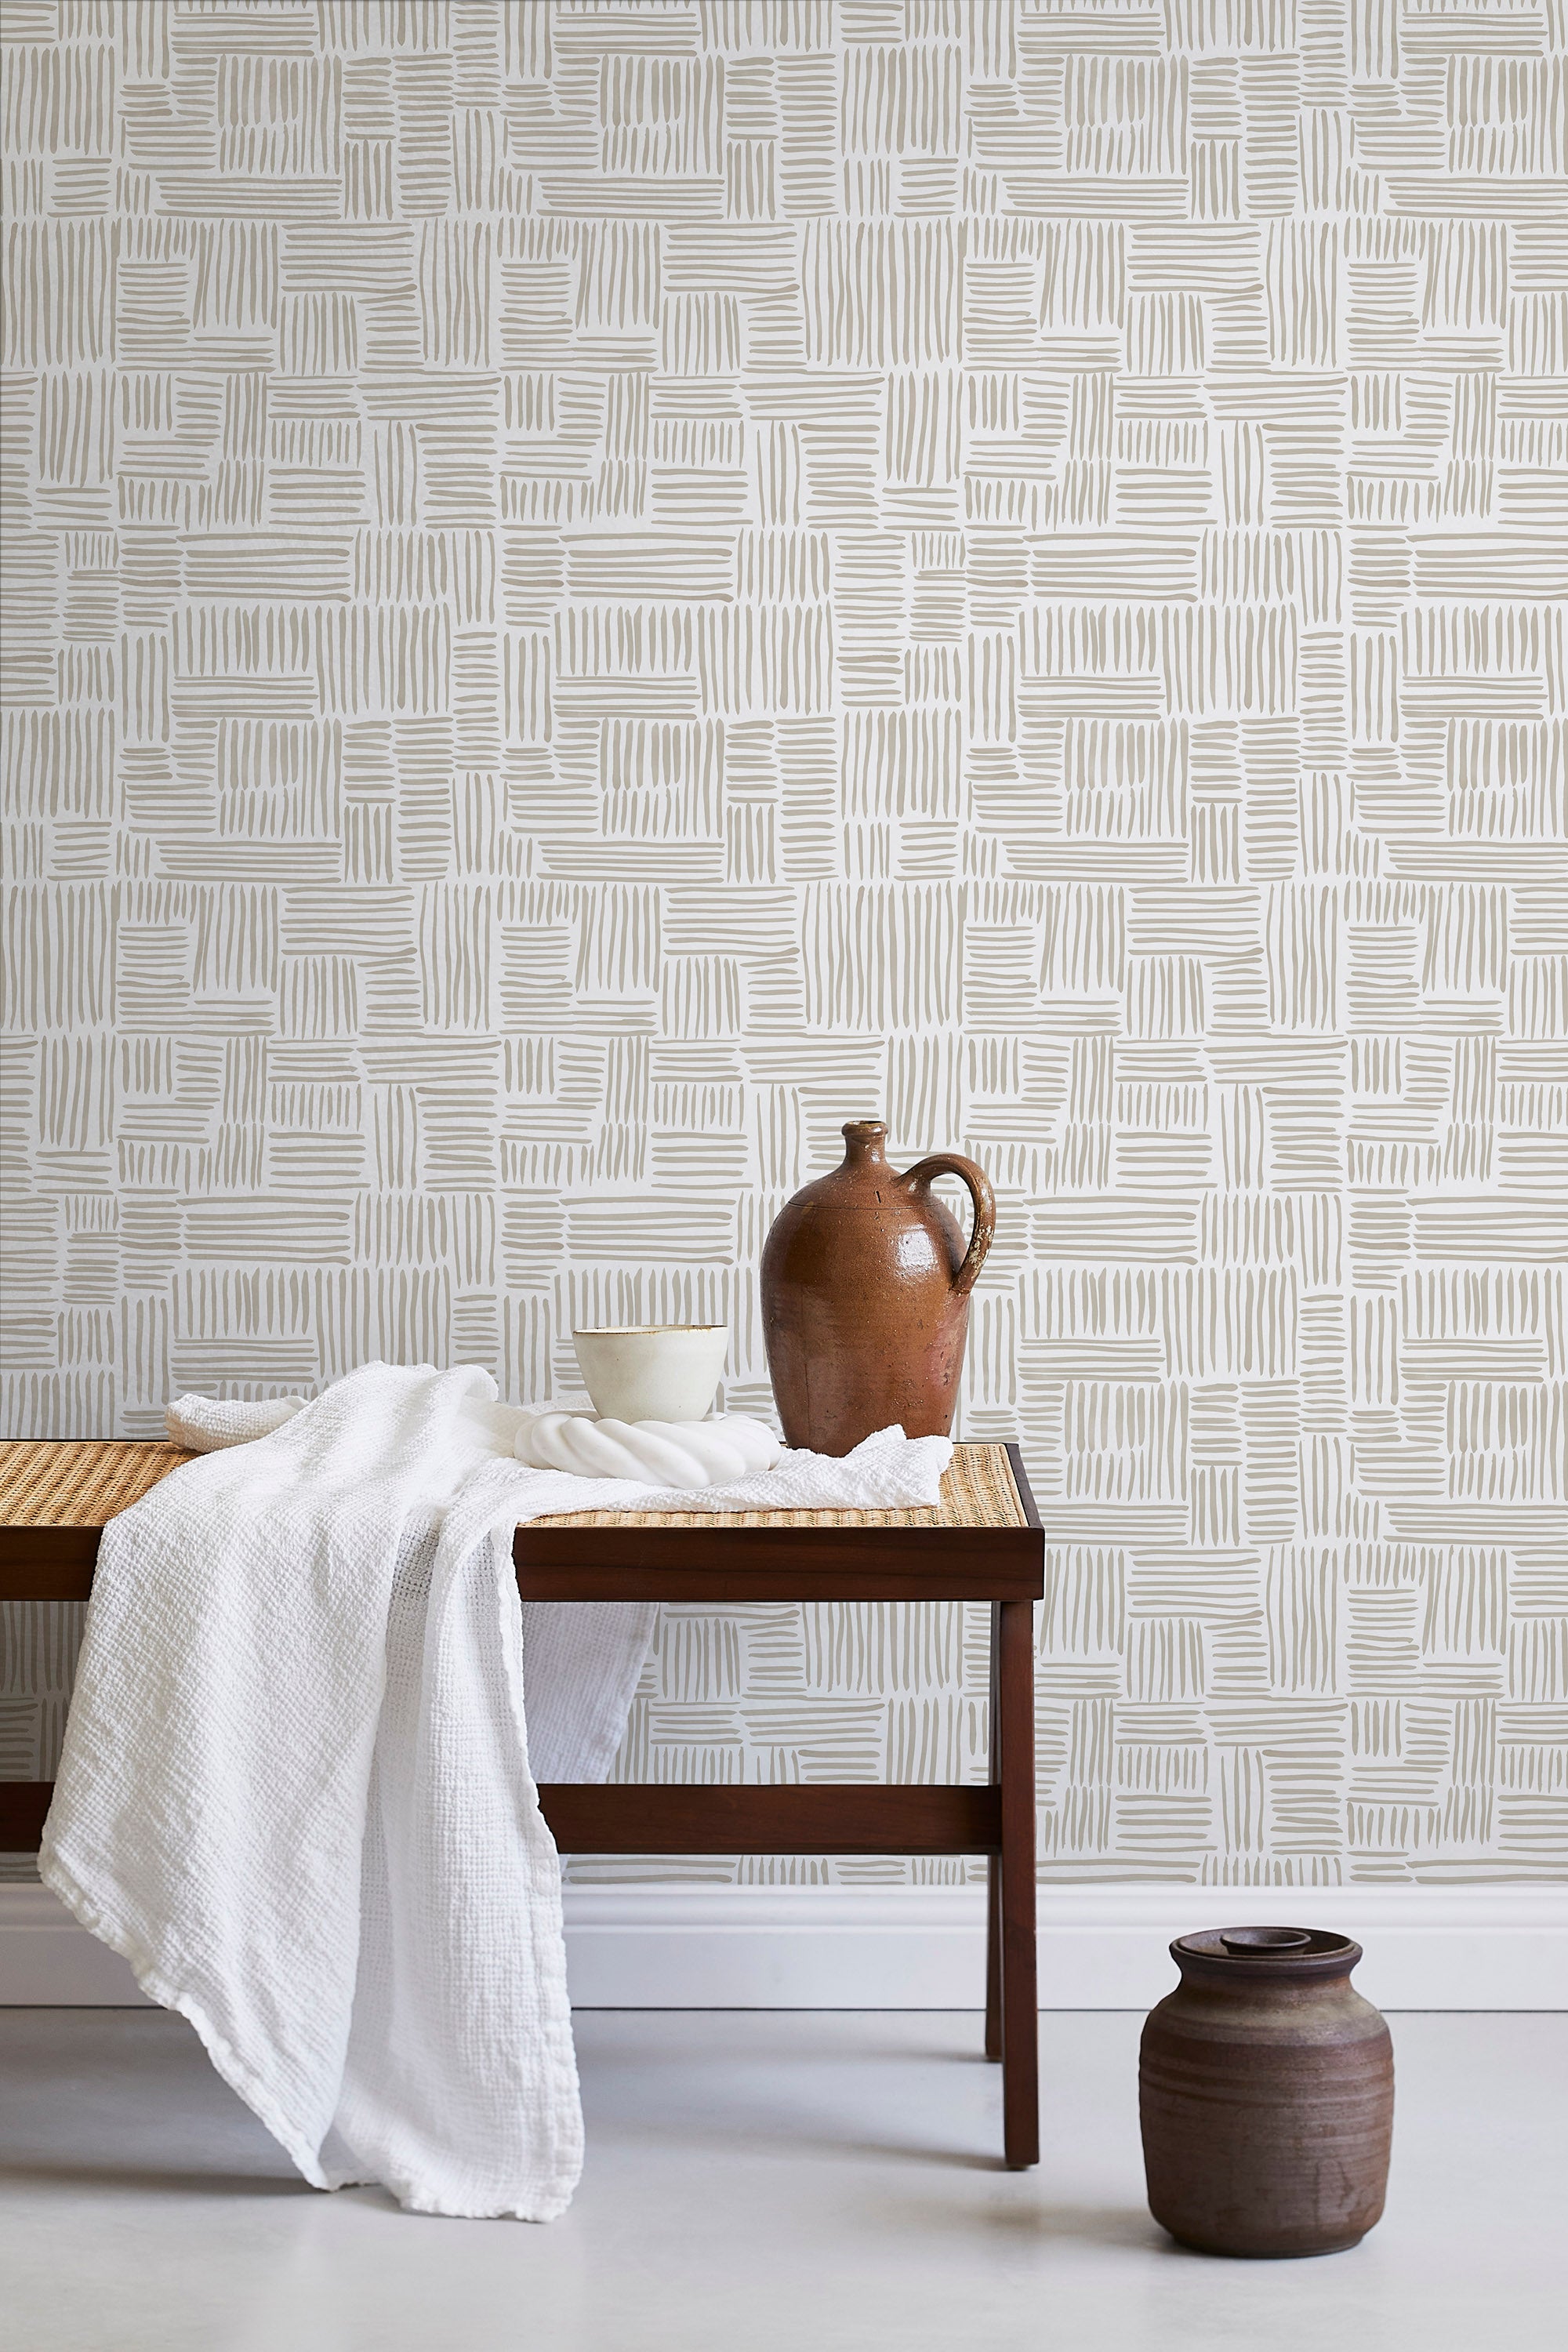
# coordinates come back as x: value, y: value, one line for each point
x: 865, y: 1139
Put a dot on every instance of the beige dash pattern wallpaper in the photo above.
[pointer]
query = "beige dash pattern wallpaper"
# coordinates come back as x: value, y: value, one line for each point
x: 596, y: 586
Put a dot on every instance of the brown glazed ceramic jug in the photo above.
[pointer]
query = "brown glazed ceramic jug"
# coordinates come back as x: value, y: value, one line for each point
x: 1266, y: 2093
x: 866, y: 1284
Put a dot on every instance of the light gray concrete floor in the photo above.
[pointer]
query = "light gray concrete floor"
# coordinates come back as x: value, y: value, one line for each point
x: 807, y: 2182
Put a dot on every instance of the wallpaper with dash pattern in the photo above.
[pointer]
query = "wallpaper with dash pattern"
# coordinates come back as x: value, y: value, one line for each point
x: 595, y: 589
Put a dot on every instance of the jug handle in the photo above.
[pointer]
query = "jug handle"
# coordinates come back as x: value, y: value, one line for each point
x: 952, y: 1163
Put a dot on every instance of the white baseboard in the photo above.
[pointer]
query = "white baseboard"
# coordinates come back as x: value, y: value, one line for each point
x: 47, y: 1961
x: 1102, y: 1946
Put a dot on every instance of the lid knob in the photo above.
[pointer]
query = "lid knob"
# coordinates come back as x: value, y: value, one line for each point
x: 1248, y: 1941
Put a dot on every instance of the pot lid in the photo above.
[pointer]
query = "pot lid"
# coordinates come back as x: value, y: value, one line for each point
x: 1313, y: 1951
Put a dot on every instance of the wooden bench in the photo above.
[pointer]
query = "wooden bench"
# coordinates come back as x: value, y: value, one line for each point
x: 983, y: 1542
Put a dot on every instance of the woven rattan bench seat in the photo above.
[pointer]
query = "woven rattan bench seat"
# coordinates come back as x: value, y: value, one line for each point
x: 83, y: 1483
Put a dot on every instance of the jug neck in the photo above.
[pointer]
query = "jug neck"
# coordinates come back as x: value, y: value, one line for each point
x: 864, y: 1141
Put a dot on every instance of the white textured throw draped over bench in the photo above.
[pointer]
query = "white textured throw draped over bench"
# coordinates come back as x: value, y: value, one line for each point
x: 296, y: 1791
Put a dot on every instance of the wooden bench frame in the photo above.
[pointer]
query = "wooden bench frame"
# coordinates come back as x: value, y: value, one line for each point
x: 720, y: 1562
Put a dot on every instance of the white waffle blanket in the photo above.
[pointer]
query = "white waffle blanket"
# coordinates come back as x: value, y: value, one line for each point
x: 296, y: 1790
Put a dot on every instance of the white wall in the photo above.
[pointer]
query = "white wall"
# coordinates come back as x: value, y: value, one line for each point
x: 594, y: 591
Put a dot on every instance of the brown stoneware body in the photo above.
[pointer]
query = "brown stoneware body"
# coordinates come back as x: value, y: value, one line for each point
x: 866, y: 1282
x: 1266, y: 2093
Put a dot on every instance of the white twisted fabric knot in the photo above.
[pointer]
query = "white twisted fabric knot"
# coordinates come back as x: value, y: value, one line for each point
x: 669, y: 1452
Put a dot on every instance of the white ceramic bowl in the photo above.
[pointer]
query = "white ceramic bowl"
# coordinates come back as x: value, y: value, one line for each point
x: 665, y: 1371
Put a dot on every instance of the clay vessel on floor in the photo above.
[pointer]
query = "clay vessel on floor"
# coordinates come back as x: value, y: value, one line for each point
x: 1266, y: 2091
x: 866, y: 1281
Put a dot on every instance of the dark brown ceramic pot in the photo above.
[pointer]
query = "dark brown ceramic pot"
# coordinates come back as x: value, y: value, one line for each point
x: 866, y: 1282
x: 1266, y: 2091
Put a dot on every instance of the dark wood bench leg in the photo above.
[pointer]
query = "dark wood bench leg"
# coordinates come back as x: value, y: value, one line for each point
x: 994, y: 1869
x: 1015, y: 1866
x: 993, y: 1957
